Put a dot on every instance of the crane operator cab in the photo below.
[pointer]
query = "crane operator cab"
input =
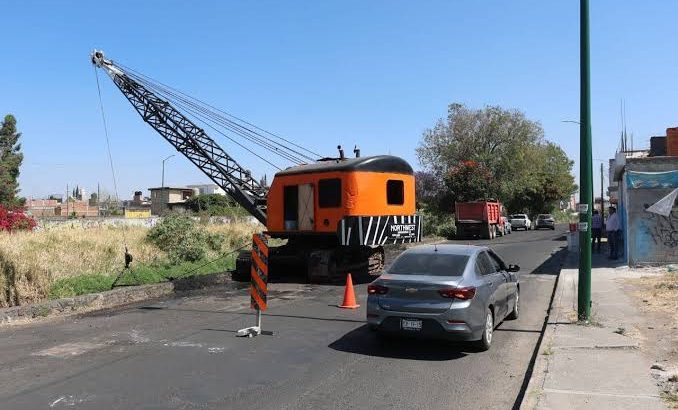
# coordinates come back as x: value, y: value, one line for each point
x: 358, y: 198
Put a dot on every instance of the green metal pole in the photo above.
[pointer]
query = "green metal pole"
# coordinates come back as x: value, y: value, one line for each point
x: 585, y: 170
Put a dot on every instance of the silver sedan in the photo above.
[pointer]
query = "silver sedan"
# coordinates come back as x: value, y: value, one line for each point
x: 457, y: 292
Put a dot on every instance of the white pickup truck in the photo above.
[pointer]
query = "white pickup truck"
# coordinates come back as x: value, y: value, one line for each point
x: 520, y: 221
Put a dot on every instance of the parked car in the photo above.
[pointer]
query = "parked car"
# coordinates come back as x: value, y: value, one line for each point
x: 507, y: 226
x: 545, y: 221
x: 520, y: 221
x: 456, y: 292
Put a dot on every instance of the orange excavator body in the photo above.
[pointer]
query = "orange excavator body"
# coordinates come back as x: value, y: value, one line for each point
x: 329, y: 197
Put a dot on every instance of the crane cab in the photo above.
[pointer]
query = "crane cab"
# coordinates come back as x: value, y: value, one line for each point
x: 368, y: 201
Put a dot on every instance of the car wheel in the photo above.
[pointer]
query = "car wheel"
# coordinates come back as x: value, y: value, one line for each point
x: 553, y: 228
x: 486, y: 340
x: 516, y: 308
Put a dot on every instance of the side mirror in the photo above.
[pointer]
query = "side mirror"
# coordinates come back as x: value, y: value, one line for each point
x: 513, y: 268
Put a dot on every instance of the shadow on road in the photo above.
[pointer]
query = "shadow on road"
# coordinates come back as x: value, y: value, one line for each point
x: 366, y: 342
x: 552, y: 265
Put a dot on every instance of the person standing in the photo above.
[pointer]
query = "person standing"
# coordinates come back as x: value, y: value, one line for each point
x: 596, y: 230
x: 612, y: 227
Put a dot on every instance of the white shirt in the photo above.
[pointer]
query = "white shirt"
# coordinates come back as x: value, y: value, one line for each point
x: 612, y: 223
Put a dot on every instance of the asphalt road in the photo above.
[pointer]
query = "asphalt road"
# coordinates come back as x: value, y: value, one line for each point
x: 182, y: 353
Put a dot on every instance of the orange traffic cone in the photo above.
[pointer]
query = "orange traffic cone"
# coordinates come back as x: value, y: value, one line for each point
x: 349, y: 295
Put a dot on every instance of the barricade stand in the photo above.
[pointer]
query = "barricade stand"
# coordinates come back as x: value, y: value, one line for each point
x: 259, y: 284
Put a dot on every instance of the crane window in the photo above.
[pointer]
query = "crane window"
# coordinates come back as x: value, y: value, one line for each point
x: 395, y: 192
x: 329, y: 193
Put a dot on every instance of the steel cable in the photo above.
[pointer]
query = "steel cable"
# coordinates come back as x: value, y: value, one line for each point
x: 215, y: 113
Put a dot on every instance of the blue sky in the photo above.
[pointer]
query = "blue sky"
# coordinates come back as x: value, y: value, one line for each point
x: 373, y: 73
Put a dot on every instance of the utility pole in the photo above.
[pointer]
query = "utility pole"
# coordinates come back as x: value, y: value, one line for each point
x: 602, y: 201
x: 585, y: 169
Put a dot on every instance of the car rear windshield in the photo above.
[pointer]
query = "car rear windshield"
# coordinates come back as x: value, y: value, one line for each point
x: 435, y: 264
x: 545, y: 217
x: 518, y: 216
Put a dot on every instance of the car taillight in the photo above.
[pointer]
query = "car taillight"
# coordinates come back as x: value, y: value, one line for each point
x: 458, y: 293
x: 376, y: 289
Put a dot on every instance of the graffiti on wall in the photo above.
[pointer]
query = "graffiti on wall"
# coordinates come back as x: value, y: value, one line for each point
x: 652, y: 211
x: 665, y: 215
x: 664, y: 229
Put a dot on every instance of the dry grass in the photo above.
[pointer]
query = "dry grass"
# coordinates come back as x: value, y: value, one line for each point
x: 659, y: 293
x: 31, y: 261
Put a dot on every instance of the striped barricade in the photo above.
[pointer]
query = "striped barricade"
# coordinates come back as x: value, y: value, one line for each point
x: 259, y: 272
x: 258, y: 285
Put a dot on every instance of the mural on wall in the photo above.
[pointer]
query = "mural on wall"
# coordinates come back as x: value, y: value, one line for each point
x: 652, y: 216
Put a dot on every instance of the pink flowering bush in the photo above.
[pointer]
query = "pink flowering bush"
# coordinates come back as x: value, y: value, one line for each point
x: 15, y: 220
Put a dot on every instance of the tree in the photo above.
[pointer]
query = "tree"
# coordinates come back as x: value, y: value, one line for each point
x: 470, y: 180
x: 428, y: 189
x: 214, y: 205
x: 549, y: 181
x: 492, y: 152
x: 10, y: 161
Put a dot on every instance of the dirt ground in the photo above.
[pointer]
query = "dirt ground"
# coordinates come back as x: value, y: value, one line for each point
x: 656, y: 295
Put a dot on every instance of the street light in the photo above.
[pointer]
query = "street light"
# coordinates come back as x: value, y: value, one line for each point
x: 163, y: 169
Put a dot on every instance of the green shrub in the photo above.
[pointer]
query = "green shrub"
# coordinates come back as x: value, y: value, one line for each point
x: 438, y: 224
x: 183, y: 239
x: 447, y: 229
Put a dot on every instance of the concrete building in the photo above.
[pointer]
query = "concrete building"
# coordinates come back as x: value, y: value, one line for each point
x: 208, y: 189
x: 165, y: 199
x: 137, y: 207
x: 645, y: 189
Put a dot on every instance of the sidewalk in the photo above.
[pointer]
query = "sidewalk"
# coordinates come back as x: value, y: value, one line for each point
x: 594, y: 366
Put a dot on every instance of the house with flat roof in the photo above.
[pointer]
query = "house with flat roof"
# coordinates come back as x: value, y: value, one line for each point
x: 166, y: 199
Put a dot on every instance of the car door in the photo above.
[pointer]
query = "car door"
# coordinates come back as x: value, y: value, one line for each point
x: 494, y: 281
x: 511, y: 281
x: 502, y: 281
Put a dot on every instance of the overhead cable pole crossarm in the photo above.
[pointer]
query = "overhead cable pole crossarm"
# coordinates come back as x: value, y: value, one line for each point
x: 190, y: 140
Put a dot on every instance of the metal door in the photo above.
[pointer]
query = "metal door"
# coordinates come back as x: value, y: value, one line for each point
x: 306, y: 208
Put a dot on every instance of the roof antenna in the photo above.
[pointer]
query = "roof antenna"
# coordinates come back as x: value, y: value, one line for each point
x: 341, y: 152
x: 356, y: 151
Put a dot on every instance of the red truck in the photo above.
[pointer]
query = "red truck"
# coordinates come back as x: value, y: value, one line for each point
x: 481, y: 219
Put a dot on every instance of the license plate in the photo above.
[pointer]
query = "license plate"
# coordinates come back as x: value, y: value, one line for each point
x: 410, y: 324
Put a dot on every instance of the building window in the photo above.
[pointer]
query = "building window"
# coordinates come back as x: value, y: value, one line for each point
x: 329, y: 193
x: 395, y: 192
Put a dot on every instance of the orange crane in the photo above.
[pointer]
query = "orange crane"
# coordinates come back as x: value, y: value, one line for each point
x: 335, y: 213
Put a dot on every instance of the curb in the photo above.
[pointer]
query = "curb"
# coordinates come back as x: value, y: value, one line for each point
x: 533, y: 390
x: 110, y: 298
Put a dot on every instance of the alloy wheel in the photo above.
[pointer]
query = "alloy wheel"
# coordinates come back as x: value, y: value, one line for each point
x: 489, y: 327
